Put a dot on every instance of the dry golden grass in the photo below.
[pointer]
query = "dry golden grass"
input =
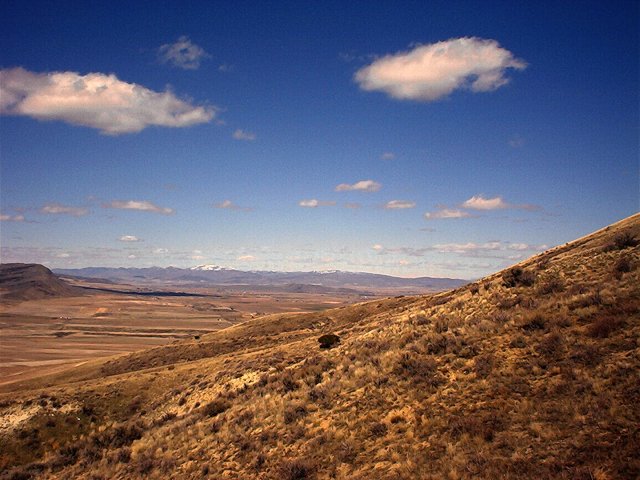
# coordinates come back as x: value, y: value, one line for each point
x: 525, y: 374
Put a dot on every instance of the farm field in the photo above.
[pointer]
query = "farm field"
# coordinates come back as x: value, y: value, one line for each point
x: 50, y: 335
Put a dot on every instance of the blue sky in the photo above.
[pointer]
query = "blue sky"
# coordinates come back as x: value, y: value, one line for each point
x: 408, y: 138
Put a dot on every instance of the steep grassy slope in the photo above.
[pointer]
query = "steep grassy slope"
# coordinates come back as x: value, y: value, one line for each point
x: 531, y: 372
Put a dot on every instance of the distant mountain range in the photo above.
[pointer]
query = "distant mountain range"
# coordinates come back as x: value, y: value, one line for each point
x: 212, y: 275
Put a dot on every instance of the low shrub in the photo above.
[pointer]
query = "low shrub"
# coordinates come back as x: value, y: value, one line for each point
x: 535, y: 322
x: 551, y: 346
x: 625, y: 240
x: 294, y: 412
x: 215, y: 407
x: 288, y: 383
x: 378, y: 429
x: 623, y: 265
x: 552, y: 284
x: 517, y: 276
x: 329, y: 340
x: 483, y: 365
x: 518, y: 342
x: 296, y: 469
x: 603, y: 327
x: 418, y: 368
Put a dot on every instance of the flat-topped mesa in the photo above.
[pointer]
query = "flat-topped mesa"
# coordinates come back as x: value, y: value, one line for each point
x: 30, y: 281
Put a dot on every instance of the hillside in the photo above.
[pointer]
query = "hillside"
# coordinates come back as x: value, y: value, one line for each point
x: 533, y: 372
x: 23, y: 281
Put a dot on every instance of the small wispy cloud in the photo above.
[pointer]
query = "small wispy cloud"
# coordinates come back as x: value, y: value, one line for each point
x: 129, y: 238
x: 11, y: 218
x: 466, y: 247
x: 478, y: 202
x: 433, y: 71
x: 183, y: 53
x: 59, y: 209
x: 377, y: 247
x: 197, y: 255
x: 229, y: 205
x: 399, y: 205
x: 362, y: 185
x: 240, y: 134
x: 95, y: 100
x: 313, y: 203
x: 140, y: 205
x: 388, y: 156
x: 246, y: 258
x: 447, y: 213
x: 352, y: 205
x: 497, y: 249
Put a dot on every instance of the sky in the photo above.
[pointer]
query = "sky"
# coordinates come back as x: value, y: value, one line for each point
x: 440, y: 138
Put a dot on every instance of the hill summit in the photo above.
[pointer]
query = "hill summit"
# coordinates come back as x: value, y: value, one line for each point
x: 30, y: 281
x: 532, y: 372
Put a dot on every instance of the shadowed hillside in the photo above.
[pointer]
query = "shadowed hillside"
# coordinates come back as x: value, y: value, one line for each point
x: 533, y: 372
x: 24, y: 281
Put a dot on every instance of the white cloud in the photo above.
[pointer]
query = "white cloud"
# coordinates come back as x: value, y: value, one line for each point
x: 313, y: 203
x: 63, y: 255
x: 11, y: 218
x: 129, y: 238
x: 478, y: 202
x: 433, y: 71
x: 362, y: 185
x: 377, y: 247
x: 59, y: 209
x: 466, y: 247
x: 240, y: 134
x: 229, y: 205
x: 160, y: 251
x: 94, y: 100
x: 246, y: 258
x: 447, y: 213
x: 141, y: 205
x: 352, y: 205
x: 399, y: 205
x: 527, y: 247
x: 182, y: 54
x: 388, y: 156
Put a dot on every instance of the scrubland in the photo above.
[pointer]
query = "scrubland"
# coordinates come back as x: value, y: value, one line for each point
x: 533, y: 372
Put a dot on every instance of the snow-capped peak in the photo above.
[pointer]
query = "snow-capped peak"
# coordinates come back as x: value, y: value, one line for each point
x: 208, y: 268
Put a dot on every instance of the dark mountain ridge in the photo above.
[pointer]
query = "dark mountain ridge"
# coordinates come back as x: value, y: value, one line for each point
x: 211, y: 276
